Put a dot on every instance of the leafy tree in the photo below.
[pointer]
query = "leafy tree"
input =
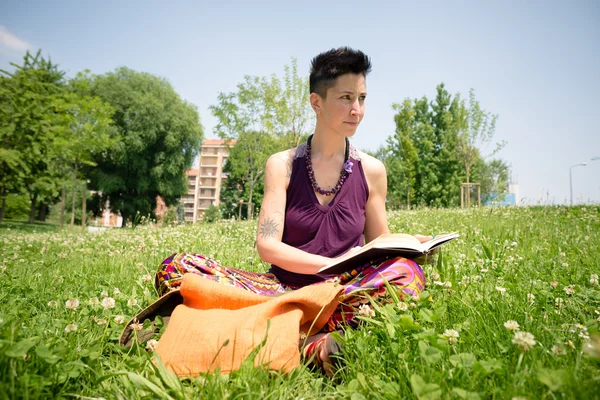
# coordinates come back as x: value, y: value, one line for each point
x: 27, y: 154
x: 246, y: 163
x: 422, y: 151
x: 83, y: 130
x: 265, y: 116
x: 159, y: 137
x: 475, y: 128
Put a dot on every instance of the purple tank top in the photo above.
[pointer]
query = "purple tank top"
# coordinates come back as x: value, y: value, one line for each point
x: 329, y: 230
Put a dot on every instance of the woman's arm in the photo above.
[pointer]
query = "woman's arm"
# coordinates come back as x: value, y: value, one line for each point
x: 271, y: 221
x: 375, y: 215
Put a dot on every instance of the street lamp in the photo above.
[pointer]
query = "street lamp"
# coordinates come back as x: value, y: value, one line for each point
x: 571, y: 178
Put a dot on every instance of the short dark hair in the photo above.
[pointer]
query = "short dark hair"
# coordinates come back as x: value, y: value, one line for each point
x: 327, y: 66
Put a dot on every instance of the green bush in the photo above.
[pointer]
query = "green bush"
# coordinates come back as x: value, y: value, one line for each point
x: 17, y: 206
x: 213, y: 214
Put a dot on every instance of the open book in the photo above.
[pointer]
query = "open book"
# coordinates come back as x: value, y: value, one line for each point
x: 393, y: 244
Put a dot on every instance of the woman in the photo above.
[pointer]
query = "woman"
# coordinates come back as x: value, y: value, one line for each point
x: 321, y: 200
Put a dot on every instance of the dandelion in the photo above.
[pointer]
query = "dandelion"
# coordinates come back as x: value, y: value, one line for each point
x: 501, y: 289
x: 531, y: 297
x: 402, y: 306
x: 71, y: 328
x: 151, y: 345
x: 52, y: 303
x: 108, y: 302
x: 94, y: 301
x: 511, y: 325
x: 132, y: 302
x: 451, y: 335
x: 594, y: 280
x: 524, y: 340
x: 119, y: 319
x: 569, y: 290
x: 366, y: 310
x: 104, y: 293
x: 72, y: 304
x: 116, y: 292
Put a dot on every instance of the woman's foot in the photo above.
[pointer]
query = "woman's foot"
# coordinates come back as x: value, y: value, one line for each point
x: 322, y: 350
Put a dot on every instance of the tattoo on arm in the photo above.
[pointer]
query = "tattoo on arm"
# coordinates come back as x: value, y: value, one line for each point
x: 288, y: 165
x: 268, y: 229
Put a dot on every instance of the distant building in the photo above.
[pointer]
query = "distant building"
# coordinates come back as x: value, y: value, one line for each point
x: 205, y: 181
x: 509, y: 199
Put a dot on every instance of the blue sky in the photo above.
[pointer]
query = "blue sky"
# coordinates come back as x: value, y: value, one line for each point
x: 536, y: 65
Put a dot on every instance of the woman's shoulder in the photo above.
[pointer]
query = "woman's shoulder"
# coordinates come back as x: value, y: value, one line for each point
x: 371, y: 165
x: 281, y: 162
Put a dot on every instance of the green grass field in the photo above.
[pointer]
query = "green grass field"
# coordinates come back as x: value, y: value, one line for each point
x: 535, y: 266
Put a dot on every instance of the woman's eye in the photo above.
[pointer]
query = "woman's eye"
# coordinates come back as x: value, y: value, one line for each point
x: 362, y: 98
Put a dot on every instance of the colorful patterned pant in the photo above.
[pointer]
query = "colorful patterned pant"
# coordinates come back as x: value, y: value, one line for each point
x: 406, y: 276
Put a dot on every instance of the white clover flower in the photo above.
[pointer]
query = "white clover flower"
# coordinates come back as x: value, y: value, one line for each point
x: 151, y: 345
x: 531, y: 297
x: 511, y: 325
x: 366, y: 310
x: 72, y: 304
x: 451, y: 335
x: 558, y: 350
x: 438, y: 283
x: 483, y: 270
x: 104, y: 293
x: 119, y: 319
x: 435, y: 276
x: 3, y: 268
x: 565, y: 265
x: 594, y: 280
x: 146, y: 278
x: 448, y: 284
x: 501, y: 289
x: 136, y: 326
x: 116, y: 292
x: 402, y: 306
x: 100, y: 321
x: 132, y: 302
x: 52, y: 303
x: 108, y: 302
x: 94, y: 301
x: 569, y: 290
x: 71, y: 328
x: 524, y: 340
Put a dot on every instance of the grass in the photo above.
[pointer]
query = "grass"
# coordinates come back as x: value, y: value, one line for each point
x: 529, y: 265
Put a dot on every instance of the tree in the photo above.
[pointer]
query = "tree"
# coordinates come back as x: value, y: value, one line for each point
x: 26, y: 162
x: 247, y: 160
x: 264, y: 116
x: 423, y: 150
x: 159, y: 137
x: 83, y: 129
x: 475, y: 128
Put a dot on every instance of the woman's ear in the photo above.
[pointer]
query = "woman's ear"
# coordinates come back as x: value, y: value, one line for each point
x: 315, y: 102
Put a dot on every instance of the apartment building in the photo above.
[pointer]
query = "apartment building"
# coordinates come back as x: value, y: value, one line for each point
x: 205, y: 181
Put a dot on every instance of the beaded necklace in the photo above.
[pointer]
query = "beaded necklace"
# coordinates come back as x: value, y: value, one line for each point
x: 346, y: 170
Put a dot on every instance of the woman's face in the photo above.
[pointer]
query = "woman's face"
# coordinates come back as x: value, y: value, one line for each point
x: 344, y: 107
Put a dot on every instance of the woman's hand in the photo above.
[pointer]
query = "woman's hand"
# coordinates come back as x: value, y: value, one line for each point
x: 423, y: 238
